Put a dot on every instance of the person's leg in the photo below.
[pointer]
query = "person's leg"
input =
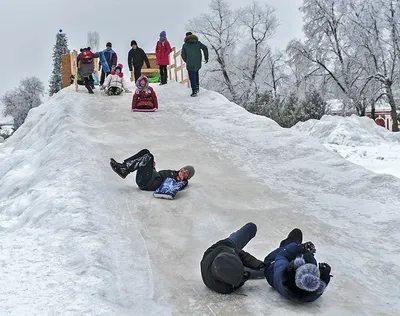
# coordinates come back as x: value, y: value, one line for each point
x: 243, y: 235
x: 197, y: 81
x: 87, y: 85
x: 144, y: 170
x: 137, y: 155
x: 118, y: 91
x: 165, y: 74
x: 131, y: 164
x: 294, y: 236
x: 192, y: 79
x: 138, y: 72
x: 102, y: 77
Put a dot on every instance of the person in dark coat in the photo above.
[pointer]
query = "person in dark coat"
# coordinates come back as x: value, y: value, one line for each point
x: 137, y: 57
x: 147, y: 177
x: 292, y: 269
x: 112, y: 60
x: 225, y: 267
x: 191, y: 55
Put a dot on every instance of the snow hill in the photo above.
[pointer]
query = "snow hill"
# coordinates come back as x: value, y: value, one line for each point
x: 78, y: 240
x: 357, y: 139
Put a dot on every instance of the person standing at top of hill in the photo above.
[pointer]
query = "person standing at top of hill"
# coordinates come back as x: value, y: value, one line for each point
x: 163, y: 49
x: 191, y: 55
x: 112, y: 59
x: 136, y: 58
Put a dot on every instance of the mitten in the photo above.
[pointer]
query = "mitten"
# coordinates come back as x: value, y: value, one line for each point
x: 307, y: 247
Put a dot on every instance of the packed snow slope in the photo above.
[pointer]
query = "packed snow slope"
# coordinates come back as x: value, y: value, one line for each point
x: 357, y: 139
x: 76, y: 239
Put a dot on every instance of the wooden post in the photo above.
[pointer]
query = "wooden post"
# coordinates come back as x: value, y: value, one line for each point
x: 66, y: 70
x: 74, y: 68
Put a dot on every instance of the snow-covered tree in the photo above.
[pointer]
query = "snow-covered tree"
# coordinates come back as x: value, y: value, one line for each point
x: 19, y: 101
x: 60, y: 48
x: 93, y: 41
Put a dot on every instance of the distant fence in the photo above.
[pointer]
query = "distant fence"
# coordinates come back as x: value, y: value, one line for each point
x: 177, y: 68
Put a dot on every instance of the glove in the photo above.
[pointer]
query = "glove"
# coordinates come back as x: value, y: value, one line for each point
x: 261, y: 266
x: 307, y: 247
x: 246, y: 276
x: 324, y: 269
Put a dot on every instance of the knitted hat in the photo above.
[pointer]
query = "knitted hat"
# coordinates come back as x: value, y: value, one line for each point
x: 109, y: 44
x: 307, y: 277
x: 133, y: 43
x: 228, y: 268
x: 119, y: 66
x: 189, y: 33
x: 191, y: 171
x: 163, y: 34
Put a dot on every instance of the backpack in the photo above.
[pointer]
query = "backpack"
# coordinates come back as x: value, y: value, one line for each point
x: 86, y: 56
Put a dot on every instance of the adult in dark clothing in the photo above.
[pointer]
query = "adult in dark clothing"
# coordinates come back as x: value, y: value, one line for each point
x: 112, y: 60
x: 137, y: 57
x: 147, y: 177
x: 225, y: 267
x: 292, y: 269
x: 191, y: 54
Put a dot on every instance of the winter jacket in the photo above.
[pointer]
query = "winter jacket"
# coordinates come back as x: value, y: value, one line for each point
x: 86, y: 69
x: 111, y: 57
x: 115, y: 81
x: 225, y: 246
x: 163, y: 49
x: 144, y: 97
x: 191, y: 53
x: 158, y: 177
x: 281, y: 275
x: 137, y: 57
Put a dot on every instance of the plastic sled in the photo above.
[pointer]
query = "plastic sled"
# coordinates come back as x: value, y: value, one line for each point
x: 144, y: 110
x: 168, y: 189
x: 103, y: 62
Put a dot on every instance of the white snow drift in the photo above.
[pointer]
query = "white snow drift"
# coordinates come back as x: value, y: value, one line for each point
x: 79, y: 240
x: 357, y: 139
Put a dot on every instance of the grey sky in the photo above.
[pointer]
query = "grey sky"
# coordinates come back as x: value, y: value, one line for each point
x: 28, y: 28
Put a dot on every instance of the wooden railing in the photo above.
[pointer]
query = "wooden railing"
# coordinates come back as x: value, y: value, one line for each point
x: 177, y: 68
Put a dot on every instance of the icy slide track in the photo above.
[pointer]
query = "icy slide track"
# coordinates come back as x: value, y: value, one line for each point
x: 78, y: 240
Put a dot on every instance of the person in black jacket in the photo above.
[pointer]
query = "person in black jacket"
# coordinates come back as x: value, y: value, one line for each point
x: 292, y: 269
x: 225, y: 267
x: 137, y: 57
x: 147, y: 177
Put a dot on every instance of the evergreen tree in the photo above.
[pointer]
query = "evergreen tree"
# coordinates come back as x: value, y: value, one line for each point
x: 60, y: 48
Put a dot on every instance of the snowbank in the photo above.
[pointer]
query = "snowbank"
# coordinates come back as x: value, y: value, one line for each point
x: 79, y: 240
x: 359, y: 140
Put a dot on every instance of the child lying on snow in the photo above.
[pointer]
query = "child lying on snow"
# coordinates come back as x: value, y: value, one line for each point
x: 115, y: 83
x: 147, y: 177
x: 144, y: 96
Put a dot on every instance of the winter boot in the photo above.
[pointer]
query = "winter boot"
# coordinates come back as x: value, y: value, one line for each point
x: 119, y: 168
x: 118, y: 91
x: 194, y: 93
x: 89, y: 88
x: 197, y: 89
x: 294, y: 236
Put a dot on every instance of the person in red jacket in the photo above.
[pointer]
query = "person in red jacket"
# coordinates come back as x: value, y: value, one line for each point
x: 144, y: 96
x: 163, y: 49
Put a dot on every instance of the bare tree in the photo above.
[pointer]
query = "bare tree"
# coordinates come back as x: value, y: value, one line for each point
x: 219, y: 28
x: 93, y: 40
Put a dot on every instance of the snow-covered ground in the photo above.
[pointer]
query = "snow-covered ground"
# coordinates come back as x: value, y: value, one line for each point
x: 78, y: 240
x: 359, y: 140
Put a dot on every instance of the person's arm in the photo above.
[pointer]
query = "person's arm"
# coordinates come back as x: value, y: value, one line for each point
x: 96, y: 55
x: 183, y: 53
x: 205, y: 51
x: 146, y: 60
x: 168, y: 47
x: 250, y: 261
x: 154, y: 98
x: 168, y: 174
x: 130, y: 60
x: 282, y: 259
x: 135, y: 99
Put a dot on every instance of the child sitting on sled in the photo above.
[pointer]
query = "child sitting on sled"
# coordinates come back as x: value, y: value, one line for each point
x: 115, y: 83
x: 144, y: 96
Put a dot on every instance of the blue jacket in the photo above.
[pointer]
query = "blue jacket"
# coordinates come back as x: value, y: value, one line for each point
x: 278, y: 269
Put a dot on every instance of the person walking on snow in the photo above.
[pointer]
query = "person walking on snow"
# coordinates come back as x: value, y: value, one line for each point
x: 86, y: 67
x: 292, y: 269
x: 147, y: 177
x: 225, y: 267
x: 111, y: 58
x: 115, y: 83
x: 144, y: 96
x: 163, y: 49
x: 137, y: 57
x: 191, y: 55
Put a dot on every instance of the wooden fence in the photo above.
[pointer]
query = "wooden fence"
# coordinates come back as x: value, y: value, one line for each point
x: 177, y: 68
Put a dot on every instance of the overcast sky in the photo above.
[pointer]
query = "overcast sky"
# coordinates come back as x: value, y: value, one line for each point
x: 28, y: 28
